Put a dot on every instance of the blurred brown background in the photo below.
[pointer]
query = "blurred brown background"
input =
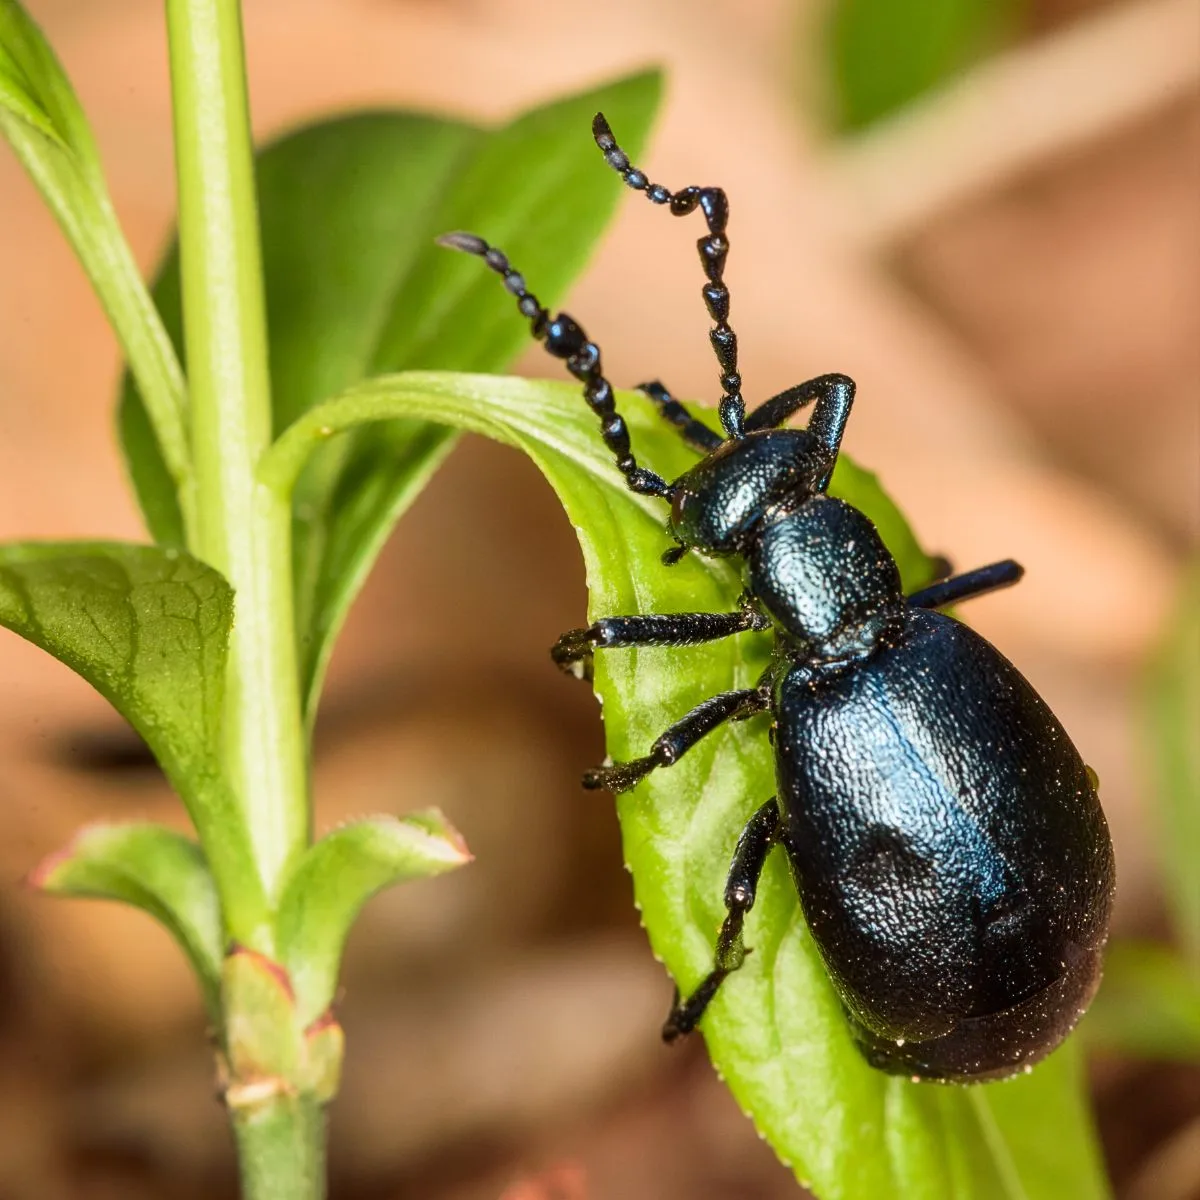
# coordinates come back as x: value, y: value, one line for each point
x: 1010, y: 274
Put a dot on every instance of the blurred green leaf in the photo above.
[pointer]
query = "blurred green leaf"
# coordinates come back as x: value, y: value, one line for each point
x: 337, y: 876
x: 1174, y: 738
x: 149, y: 630
x: 154, y: 869
x: 355, y: 285
x: 43, y: 122
x: 1149, y: 1004
x: 883, y: 53
x: 776, y: 1031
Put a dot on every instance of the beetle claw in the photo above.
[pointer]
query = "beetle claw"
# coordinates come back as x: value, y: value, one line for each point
x: 572, y: 654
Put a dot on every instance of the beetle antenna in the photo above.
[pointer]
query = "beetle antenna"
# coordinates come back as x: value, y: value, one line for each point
x: 565, y: 339
x: 714, y: 248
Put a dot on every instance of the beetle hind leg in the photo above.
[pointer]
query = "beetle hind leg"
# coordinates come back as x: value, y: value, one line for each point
x: 757, y: 840
x: 672, y: 745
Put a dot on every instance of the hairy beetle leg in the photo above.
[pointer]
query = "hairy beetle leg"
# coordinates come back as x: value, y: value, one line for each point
x: 757, y: 840
x: 672, y: 745
x: 573, y: 651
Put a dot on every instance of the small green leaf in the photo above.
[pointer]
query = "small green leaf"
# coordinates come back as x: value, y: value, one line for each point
x: 1149, y: 1004
x: 149, y: 630
x: 885, y: 53
x: 1174, y: 722
x: 154, y: 869
x: 776, y: 1031
x: 42, y: 120
x: 337, y: 876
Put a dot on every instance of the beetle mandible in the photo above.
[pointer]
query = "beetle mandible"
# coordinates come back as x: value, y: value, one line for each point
x: 946, y: 840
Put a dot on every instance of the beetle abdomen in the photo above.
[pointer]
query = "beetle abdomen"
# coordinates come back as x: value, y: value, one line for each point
x: 951, y: 856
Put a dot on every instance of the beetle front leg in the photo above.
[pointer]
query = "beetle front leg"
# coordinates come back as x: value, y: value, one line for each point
x: 671, y: 746
x: 573, y: 651
x: 757, y: 840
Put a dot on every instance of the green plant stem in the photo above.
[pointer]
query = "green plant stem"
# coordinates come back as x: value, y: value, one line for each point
x: 281, y: 1149
x: 242, y: 529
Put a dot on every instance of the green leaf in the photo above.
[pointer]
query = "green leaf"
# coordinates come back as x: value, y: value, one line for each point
x: 1149, y: 1004
x: 884, y: 53
x: 154, y: 869
x: 776, y: 1031
x: 149, y: 630
x: 355, y: 285
x: 41, y: 118
x: 337, y: 876
x: 1174, y: 719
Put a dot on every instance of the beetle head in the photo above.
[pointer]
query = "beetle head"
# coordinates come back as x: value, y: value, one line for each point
x: 717, y: 504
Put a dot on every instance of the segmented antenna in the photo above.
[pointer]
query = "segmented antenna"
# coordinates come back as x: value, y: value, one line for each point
x: 565, y: 339
x: 714, y: 248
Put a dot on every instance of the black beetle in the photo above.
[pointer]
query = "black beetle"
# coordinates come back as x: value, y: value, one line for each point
x: 945, y: 837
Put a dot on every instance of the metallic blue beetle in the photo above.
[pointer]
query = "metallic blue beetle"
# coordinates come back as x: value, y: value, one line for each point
x: 945, y: 837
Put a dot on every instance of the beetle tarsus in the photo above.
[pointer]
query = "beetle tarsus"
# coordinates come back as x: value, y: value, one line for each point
x: 757, y: 840
x: 572, y: 653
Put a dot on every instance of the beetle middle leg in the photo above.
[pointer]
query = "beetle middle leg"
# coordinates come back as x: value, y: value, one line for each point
x: 757, y: 840
x: 671, y: 746
x: 573, y: 651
